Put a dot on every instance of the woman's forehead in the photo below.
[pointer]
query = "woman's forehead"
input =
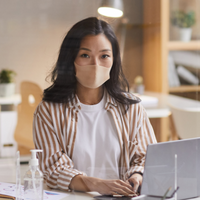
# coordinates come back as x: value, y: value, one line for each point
x: 99, y: 41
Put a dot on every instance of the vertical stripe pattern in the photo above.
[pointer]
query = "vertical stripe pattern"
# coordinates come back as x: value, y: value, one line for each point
x: 54, y: 131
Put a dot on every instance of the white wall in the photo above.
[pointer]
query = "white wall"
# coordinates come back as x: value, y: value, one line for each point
x: 31, y: 32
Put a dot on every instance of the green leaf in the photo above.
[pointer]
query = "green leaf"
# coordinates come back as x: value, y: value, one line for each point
x: 7, y: 76
x: 183, y: 19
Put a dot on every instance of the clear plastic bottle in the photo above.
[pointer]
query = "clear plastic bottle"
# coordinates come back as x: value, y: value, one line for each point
x: 33, y: 179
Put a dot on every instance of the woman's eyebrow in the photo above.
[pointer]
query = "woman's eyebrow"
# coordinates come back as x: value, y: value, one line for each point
x: 105, y: 50
x: 84, y: 49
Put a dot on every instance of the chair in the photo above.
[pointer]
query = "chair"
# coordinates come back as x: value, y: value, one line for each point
x: 31, y: 95
x: 185, y: 122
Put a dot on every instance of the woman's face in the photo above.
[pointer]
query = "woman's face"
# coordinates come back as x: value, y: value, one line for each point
x: 95, y: 50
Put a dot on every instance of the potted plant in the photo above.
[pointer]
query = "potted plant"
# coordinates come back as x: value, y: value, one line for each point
x: 184, y: 21
x: 7, y: 85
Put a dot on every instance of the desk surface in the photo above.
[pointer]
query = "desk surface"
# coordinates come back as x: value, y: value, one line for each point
x: 14, y: 99
x: 161, y: 109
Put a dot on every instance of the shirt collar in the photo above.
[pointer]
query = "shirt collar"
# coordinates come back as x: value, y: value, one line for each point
x: 75, y: 103
x: 109, y: 100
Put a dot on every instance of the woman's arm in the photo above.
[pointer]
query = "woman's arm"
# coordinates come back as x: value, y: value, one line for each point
x: 108, y: 187
x: 144, y: 135
x: 55, y: 164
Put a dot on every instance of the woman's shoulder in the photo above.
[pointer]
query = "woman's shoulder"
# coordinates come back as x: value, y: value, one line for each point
x: 42, y: 105
x: 47, y: 107
x: 135, y: 107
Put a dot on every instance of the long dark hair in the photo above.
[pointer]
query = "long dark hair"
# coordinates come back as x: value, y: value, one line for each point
x: 63, y: 75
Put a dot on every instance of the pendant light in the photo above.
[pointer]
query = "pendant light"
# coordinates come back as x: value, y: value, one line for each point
x: 111, y: 8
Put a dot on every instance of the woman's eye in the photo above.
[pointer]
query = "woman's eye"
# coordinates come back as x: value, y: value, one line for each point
x: 105, y: 56
x: 84, y: 56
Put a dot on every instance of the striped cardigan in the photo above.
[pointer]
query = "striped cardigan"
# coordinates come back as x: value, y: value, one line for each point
x: 54, y: 131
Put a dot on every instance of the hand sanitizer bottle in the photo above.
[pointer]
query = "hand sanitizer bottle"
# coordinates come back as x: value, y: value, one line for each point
x: 33, y: 179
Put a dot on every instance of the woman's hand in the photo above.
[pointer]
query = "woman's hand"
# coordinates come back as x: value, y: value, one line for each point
x: 106, y: 187
x: 114, y: 187
x: 135, y: 181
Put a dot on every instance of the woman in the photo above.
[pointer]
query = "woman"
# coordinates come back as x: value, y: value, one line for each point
x: 93, y: 133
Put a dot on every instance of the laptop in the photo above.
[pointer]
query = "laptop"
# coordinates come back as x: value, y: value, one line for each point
x: 159, y: 170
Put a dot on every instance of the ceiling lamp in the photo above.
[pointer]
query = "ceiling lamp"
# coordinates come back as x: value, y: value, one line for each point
x: 111, y: 8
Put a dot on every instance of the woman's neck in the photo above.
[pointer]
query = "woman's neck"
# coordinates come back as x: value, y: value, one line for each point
x: 89, y: 96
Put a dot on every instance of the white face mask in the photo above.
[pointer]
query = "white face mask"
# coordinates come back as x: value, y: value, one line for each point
x: 92, y: 76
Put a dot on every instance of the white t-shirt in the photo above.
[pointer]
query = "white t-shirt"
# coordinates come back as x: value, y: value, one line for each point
x: 97, y: 149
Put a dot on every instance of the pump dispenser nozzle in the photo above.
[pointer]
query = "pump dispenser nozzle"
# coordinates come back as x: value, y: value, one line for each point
x: 34, y: 161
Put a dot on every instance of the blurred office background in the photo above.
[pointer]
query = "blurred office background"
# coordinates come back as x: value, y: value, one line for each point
x: 31, y: 32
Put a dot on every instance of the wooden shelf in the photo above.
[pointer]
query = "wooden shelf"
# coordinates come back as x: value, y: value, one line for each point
x: 178, y: 45
x: 185, y: 88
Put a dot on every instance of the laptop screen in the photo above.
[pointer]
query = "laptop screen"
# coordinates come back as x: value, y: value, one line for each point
x: 159, y: 171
